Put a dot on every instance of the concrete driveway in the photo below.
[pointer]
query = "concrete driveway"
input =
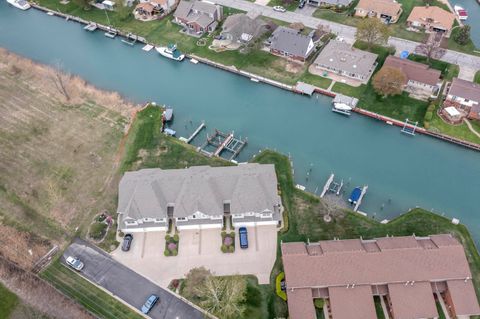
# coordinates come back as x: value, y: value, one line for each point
x: 201, y: 248
x: 129, y: 286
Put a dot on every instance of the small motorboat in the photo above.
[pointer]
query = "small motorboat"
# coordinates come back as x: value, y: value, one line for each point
x: 169, y: 132
x: 342, y: 108
x: 355, y: 195
x: 461, y: 12
x: 171, y: 52
x: 20, y: 4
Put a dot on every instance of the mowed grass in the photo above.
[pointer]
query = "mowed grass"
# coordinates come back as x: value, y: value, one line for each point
x: 303, y: 219
x: 8, y: 302
x: 460, y: 131
x: 95, y: 300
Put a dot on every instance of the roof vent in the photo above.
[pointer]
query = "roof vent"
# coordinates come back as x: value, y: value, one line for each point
x: 354, y: 66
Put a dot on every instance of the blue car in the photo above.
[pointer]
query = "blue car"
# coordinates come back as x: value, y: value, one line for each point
x: 148, y: 305
x: 242, y: 231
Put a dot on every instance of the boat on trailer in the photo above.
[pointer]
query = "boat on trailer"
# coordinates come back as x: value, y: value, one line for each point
x: 355, y: 195
x: 20, y: 4
x: 461, y: 12
x: 171, y: 52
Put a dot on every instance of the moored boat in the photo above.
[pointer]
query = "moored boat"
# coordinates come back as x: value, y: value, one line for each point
x: 168, y: 114
x: 355, y: 195
x: 461, y: 12
x: 342, y: 108
x: 20, y: 4
x: 171, y: 52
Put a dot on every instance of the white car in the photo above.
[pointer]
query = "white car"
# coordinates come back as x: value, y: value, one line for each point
x: 75, y: 263
x: 279, y: 9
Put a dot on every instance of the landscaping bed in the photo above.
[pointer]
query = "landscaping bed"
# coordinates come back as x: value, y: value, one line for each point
x: 171, y: 245
x: 228, y: 242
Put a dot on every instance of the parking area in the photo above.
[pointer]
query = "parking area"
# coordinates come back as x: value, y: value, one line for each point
x: 201, y: 248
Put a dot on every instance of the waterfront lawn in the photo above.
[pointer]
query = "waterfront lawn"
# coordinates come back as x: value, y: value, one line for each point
x: 95, y: 300
x: 303, y: 219
x: 468, y: 48
x: 460, y: 131
x: 449, y: 71
x: 290, y: 5
x: 147, y: 147
x: 8, y: 302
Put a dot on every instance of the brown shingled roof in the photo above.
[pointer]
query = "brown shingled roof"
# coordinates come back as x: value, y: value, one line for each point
x: 352, y: 302
x: 465, y: 89
x: 388, y: 7
x: 412, y: 301
x: 300, y: 302
x: 415, y: 71
x: 432, y: 15
x: 463, y: 297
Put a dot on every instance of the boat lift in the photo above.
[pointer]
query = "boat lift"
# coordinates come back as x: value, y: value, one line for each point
x: 359, y: 201
x: 130, y: 39
x: 92, y: 26
x: 409, y: 127
x: 332, y: 187
x: 223, y: 142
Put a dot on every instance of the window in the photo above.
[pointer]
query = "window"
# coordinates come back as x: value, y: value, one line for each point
x: 181, y: 219
x: 130, y: 223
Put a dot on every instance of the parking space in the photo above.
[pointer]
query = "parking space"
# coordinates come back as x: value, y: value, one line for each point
x: 201, y: 248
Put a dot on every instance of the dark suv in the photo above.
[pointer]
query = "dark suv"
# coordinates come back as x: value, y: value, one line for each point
x: 127, y: 242
x: 242, y: 231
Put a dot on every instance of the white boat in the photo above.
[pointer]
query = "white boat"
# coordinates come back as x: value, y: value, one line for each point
x: 342, y: 106
x: 194, y: 61
x: 20, y: 4
x: 171, y: 52
x: 461, y: 12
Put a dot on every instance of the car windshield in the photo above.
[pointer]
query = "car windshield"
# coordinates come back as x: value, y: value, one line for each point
x: 76, y: 263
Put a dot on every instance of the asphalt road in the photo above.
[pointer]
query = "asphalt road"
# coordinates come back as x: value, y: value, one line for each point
x: 126, y: 284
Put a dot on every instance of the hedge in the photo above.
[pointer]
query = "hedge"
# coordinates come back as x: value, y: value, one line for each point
x: 278, y: 286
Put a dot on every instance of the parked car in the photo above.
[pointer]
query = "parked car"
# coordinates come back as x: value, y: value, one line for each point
x: 127, y: 242
x: 75, y: 263
x: 148, y: 305
x: 242, y: 231
x: 302, y: 3
x: 279, y: 9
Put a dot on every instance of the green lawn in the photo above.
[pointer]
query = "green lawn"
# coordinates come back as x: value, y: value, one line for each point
x: 468, y: 48
x: 378, y: 308
x: 303, y: 218
x: 8, y: 302
x: 449, y: 71
x: 290, y: 5
x: 477, y: 77
x: 459, y: 131
x: 95, y: 300
x: 441, y: 315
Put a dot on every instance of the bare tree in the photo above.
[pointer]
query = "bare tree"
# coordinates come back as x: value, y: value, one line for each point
x: 195, y: 278
x: 431, y: 47
x: 389, y: 81
x: 59, y: 78
x: 372, y: 31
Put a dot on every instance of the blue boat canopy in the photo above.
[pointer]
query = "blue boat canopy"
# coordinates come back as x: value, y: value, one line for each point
x: 357, y: 191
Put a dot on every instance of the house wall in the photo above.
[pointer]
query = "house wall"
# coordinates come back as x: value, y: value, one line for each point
x: 286, y: 54
x: 461, y: 101
x: 361, y: 77
x: 422, y: 86
x: 202, y: 226
x: 252, y: 224
x: 142, y: 230
x: 359, y: 12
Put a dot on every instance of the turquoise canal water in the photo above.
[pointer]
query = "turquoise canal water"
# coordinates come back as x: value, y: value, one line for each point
x: 401, y: 171
x: 473, y: 9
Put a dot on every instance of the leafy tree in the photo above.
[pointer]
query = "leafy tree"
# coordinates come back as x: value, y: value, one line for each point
x: 223, y: 296
x: 462, y: 37
x: 85, y: 4
x: 389, y: 81
x: 123, y: 11
x: 195, y: 278
x: 372, y: 31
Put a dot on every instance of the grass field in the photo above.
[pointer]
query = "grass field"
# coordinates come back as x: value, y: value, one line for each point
x: 89, y: 296
x: 477, y: 77
x: 304, y: 220
x: 459, y: 131
x: 8, y: 302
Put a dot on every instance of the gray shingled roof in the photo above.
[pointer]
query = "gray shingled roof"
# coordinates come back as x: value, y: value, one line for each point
x: 147, y: 193
x: 240, y: 23
x: 465, y: 89
x: 342, y: 56
x: 185, y: 10
x: 290, y: 41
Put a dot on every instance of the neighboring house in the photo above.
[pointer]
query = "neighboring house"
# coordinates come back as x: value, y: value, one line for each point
x: 386, y: 10
x: 153, y: 9
x: 198, y: 16
x: 291, y: 43
x: 198, y: 197
x: 408, y: 273
x: 422, y: 81
x: 241, y: 28
x: 431, y: 19
x: 464, y: 95
x: 342, y: 59
x: 330, y: 3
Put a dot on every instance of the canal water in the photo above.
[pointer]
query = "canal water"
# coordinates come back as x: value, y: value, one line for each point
x: 401, y: 171
x: 473, y: 9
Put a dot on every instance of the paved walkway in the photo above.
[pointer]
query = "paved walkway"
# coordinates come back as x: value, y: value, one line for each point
x: 347, y: 32
x: 470, y: 127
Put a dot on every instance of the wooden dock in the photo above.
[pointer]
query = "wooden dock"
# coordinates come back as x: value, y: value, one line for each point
x: 359, y: 202
x: 327, y: 185
x: 198, y: 130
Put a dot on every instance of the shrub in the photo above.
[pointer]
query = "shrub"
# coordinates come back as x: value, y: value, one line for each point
x: 121, y: 234
x: 278, y: 286
x: 231, y: 249
x: 228, y: 241
x: 172, y: 246
x: 224, y: 234
x: 167, y: 238
x: 318, y: 303
x: 224, y: 249
x: 97, y: 230
x: 426, y: 124
x: 166, y: 252
x: 176, y: 238
x: 174, y: 252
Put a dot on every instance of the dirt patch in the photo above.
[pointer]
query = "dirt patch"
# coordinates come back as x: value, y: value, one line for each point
x: 38, y: 294
x: 60, y: 139
x: 293, y: 67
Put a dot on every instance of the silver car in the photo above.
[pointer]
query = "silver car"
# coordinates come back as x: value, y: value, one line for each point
x: 75, y: 263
